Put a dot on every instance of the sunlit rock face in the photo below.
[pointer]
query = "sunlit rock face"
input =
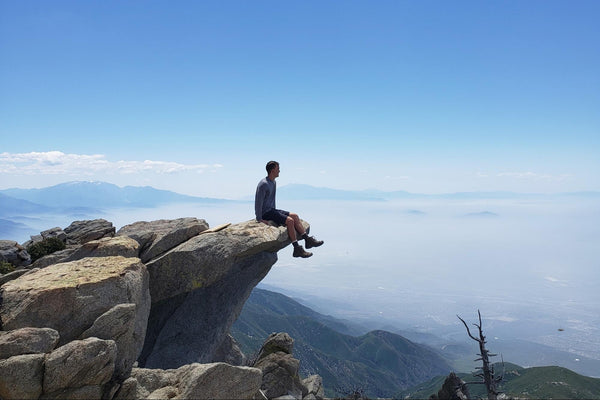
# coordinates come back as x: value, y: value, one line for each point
x: 163, y: 293
x: 199, y: 288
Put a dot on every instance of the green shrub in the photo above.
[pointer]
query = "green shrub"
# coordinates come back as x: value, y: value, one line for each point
x: 45, y: 247
x: 6, y: 267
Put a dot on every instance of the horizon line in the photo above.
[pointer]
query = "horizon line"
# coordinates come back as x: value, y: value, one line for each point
x: 374, y: 191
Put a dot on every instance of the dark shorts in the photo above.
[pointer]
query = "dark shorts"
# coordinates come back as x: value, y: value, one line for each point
x: 277, y: 216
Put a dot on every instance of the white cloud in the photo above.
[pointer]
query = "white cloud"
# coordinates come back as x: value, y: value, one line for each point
x: 57, y: 163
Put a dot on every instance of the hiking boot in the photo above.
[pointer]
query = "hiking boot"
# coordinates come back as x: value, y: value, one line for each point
x: 300, y: 252
x: 312, y: 242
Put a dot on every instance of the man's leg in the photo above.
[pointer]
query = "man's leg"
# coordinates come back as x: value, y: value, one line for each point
x: 290, y: 223
x: 297, y: 224
x: 291, y: 228
x: 308, y: 240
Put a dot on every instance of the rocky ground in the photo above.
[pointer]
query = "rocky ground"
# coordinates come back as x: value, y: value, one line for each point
x: 144, y: 312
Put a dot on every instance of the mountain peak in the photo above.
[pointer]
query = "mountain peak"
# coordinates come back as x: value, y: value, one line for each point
x: 100, y: 195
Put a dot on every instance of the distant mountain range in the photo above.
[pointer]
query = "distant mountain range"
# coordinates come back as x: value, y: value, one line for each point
x: 82, y: 199
x: 13, y: 206
x: 78, y: 200
x: 8, y: 227
x: 95, y: 195
x: 380, y: 362
x: 102, y: 195
x: 307, y: 192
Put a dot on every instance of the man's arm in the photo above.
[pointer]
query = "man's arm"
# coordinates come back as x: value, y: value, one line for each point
x: 259, y: 198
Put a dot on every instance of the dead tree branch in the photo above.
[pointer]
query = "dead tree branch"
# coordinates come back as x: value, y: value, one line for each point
x: 487, y: 369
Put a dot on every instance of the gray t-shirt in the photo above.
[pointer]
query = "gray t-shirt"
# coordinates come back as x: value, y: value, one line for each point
x: 265, y: 197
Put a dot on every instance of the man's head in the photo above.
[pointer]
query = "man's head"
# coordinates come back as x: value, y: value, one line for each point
x: 272, y: 169
x: 271, y: 165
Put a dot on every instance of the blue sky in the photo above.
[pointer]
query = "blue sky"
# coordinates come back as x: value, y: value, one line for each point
x: 196, y: 96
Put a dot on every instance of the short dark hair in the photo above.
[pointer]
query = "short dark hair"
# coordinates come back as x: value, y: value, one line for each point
x: 271, y: 165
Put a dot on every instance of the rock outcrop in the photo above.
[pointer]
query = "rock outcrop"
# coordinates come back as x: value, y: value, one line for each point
x: 103, y: 297
x: 54, y: 258
x: 12, y: 275
x: 280, y: 371
x: 55, y: 232
x: 12, y: 252
x: 22, y: 376
x: 192, y: 381
x: 198, y: 290
x: 80, y: 232
x: 157, y: 237
x: 69, y: 297
x: 106, y: 247
x: 79, y: 367
x: 453, y: 388
x: 314, y: 387
x: 162, y: 293
x: 27, y: 341
x: 230, y: 352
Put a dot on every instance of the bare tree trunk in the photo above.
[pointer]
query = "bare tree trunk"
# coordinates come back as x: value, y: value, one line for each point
x: 487, y: 370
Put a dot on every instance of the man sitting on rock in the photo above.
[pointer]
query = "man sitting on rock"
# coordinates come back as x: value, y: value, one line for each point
x: 264, y: 206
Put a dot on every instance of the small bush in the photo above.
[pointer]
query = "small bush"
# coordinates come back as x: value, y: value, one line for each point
x: 45, y: 247
x: 6, y: 267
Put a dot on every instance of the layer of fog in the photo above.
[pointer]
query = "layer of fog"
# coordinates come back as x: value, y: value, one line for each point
x: 531, y: 267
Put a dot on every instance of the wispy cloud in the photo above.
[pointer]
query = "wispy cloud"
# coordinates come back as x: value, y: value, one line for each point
x: 57, y: 162
x: 556, y: 281
x: 534, y: 176
x: 502, y: 318
x: 396, y: 178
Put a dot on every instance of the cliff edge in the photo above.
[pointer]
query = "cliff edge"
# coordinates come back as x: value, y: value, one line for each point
x: 142, y: 312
